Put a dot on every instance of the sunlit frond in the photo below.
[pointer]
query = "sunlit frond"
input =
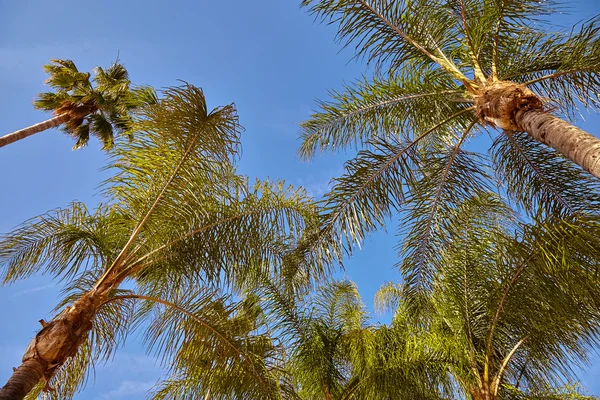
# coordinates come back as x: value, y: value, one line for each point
x: 381, y: 109
x: 211, y: 345
x: 62, y: 242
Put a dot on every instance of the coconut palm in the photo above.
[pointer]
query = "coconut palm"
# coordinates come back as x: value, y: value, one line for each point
x: 177, y: 224
x: 447, y: 72
x: 101, y: 106
x: 514, y: 306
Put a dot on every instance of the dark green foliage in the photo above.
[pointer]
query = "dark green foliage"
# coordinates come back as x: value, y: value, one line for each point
x: 101, y: 106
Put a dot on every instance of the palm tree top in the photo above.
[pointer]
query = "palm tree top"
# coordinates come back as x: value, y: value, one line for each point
x: 446, y: 73
x: 99, y: 106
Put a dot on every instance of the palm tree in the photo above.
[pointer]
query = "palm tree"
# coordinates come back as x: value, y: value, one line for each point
x: 515, y: 306
x: 462, y: 62
x: 327, y: 350
x: 86, y: 109
x: 177, y: 223
x: 445, y: 73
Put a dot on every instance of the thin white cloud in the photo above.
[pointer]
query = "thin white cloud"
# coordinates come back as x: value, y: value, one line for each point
x: 33, y: 290
x: 126, y: 389
x: 317, y: 189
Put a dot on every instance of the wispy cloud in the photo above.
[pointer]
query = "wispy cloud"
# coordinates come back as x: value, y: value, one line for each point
x: 317, y: 189
x: 33, y: 290
x: 127, y: 389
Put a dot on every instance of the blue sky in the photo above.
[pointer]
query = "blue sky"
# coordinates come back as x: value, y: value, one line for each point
x: 268, y: 56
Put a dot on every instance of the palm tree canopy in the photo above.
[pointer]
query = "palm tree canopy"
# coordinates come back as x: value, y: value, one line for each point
x: 188, y: 233
x: 100, y: 106
x: 515, y: 307
x: 418, y: 130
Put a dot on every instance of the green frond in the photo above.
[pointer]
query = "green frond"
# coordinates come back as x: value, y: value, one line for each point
x: 61, y: 242
x: 538, y: 178
x: 372, y: 187
x: 65, y: 77
x: 102, y: 128
x: 369, y: 111
x: 142, y: 95
x: 213, y: 347
x: 388, y: 297
x: 233, y: 242
x: 390, y: 32
x: 82, y: 133
x: 571, y: 391
x: 452, y: 179
x: 114, y: 75
x: 526, y: 292
x: 50, y: 101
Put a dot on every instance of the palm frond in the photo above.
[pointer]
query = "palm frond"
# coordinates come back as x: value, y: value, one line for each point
x: 61, y: 242
x: 209, y: 343
x: 390, y: 32
x: 537, y: 177
x: 384, y: 108
x: 452, y: 179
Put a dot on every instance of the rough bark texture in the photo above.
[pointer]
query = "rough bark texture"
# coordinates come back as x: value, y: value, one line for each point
x: 513, y: 107
x: 33, y: 129
x: 23, y: 380
x: 574, y: 143
x: 53, y: 346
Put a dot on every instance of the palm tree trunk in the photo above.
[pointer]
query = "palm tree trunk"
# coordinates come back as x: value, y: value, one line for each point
x: 574, y: 143
x: 58, y: 340
x: 33, y: 129
x: 23, y: 380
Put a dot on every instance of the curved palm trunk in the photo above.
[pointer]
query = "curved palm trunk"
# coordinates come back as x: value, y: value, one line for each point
x: 23, y: 380
x: 33, y: 129
x: 58, y: 340
x: 574, y: 143
x: 514, y: 107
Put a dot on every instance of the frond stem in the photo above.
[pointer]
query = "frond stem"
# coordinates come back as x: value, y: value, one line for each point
x: 477, y: 71
x: 498, y: 378
x: 443, y: 62
x: 514, y: 278
x: 195, y: 318
x: 137, y: 230
x: 556, y: 75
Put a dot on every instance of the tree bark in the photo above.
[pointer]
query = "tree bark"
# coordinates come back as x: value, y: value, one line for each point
x: 574, y: 143
x: 23, y: 380
x: 52, y: 346
x: 33, y: 129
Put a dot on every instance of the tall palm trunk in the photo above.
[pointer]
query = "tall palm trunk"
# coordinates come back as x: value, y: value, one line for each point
x: 33, y: 129
x: 574, y: 143
x: 23, y: 379
x: 513, y: 107
x: 58, y: 340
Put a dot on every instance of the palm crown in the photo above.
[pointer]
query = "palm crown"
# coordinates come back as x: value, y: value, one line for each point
x: 177, y: 222
x: 102, y: 106
x: 99, y: 106
x: 444, y: 69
